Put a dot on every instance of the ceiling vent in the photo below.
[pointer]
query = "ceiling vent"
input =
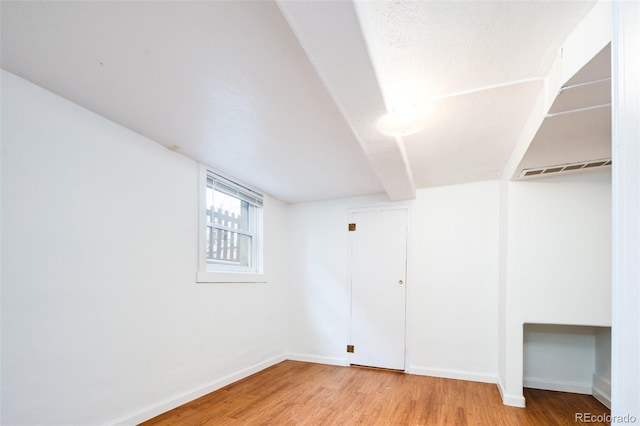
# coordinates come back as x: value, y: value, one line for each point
x: 563, y: 168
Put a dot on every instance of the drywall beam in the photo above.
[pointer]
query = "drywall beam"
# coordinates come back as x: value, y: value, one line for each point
x: 331, y: 35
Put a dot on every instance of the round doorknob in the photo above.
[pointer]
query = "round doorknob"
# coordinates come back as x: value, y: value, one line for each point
x: 400, y: 282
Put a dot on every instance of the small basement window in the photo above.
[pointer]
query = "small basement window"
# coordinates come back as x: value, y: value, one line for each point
x: 232, y: 240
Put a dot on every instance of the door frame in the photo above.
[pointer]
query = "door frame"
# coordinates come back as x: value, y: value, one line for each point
x: 378, y: 208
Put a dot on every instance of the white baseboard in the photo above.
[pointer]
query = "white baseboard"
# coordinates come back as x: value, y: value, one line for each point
x: 317, y: 359
x: 510, y: 400
x: 553, y: 385
x: 601, y: 390
x: 453, y: 374
x: 173, y: 402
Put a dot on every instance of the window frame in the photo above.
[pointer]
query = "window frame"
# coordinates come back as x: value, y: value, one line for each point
x: 212, y: 272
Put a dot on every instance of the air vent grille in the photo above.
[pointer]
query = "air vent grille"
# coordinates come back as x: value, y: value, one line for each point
x: 561, y: 168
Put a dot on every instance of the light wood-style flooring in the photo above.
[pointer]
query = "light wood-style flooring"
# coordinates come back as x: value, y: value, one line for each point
x: 314, y: 394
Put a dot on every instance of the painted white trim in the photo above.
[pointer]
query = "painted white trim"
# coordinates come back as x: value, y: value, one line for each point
x: 510, y: 400
x: 625, y: 327
x: 601, y: 390
x: 230, y: 277
x: 202, y: 217
x: 490, y: 87
x: 471, y: 376
x: 317, y: 359
x: 554, y: 385
x: 572, y: 111
x: 173, y: 402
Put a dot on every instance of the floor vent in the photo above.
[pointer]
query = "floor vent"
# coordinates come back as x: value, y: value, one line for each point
x: 561, y: 168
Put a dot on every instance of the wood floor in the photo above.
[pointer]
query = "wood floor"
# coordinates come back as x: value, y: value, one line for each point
x: 315, y: 394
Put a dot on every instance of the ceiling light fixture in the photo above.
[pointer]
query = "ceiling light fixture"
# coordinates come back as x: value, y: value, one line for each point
x: 403, y: 120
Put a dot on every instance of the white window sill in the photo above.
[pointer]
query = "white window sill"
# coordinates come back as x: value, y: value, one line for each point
x: 230, y: 277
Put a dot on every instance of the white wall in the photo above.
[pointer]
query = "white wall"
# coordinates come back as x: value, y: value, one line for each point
x: 318, y: 300
x: 101, y: 316
x: 559, y: 267
x: 559, y: 357
x: 452, y: 305
x: 560, y: 244
x: 451, y: 285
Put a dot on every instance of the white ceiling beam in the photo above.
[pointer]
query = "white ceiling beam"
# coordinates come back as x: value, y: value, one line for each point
x: 589, y: 38
x: 331, y: 35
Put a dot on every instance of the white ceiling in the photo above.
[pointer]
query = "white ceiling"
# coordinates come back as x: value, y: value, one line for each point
x: 226, y: 81
x: 284, y: 96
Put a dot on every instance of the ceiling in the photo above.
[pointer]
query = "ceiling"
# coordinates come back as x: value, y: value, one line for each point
x: 577, y: 128
x: 285, y: 95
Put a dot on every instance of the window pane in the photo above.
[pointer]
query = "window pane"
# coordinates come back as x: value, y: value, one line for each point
x: 231, y: 212
x: 233, y: 228
x: 209, y: 243
x: 229, y: 247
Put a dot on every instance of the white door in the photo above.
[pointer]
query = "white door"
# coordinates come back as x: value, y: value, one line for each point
x: 378, y: 269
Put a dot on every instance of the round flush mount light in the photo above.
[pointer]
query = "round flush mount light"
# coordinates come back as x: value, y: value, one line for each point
x: 403, y: 120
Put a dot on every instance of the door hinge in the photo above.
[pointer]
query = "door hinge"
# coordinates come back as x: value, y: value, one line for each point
x: 352, y: 227
x: 350, y: 349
